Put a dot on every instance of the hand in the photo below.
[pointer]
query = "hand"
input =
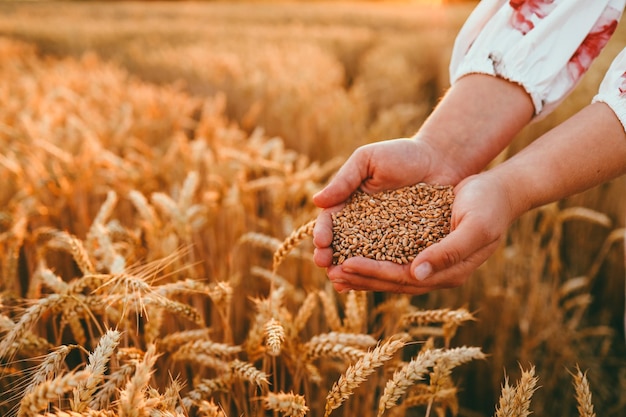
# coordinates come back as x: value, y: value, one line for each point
x: 373, y: 168
x: 481, y: 215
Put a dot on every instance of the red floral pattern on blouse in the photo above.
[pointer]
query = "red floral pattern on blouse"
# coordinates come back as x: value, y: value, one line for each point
x: 593, y: 43
x: 525, y: 10
x: 622, y: 88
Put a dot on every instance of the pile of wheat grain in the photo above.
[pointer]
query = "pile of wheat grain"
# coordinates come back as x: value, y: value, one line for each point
x: 393, y: 225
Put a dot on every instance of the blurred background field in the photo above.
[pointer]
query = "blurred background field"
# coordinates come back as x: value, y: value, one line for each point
x: 262, y: 102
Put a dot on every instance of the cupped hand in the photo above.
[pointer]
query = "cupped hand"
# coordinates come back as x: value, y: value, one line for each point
x: 481, y: 214
x: 374, y: 168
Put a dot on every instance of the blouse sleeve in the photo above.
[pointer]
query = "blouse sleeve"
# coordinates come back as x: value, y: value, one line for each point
x: 544, y: 45
x: 613, y: 88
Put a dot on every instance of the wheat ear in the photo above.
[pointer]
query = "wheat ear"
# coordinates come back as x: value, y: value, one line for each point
x: 290, y: 404
x: 96, y: 367
x: 292, y: 240
x: 358, y: 373
x: 524, y: 392
x: 583, y: 394
x: 44, y: 393
x: 132, y: 399
x: 412, y: 372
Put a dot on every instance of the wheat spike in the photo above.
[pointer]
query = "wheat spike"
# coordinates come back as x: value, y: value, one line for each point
x: 208, y: 347
x: 291, y: 241
x: 173, y: 341
x: 583, y: 394
x: 524, y: 392
x: 112, y: 385
x: 28, y: 318
x: 506, y: 402
x: 333, y: 349
x: 304, y: 312
x: 52, y: 363
x: 275, y: 335
x: 417, y: 367
x: 358, y: 373
x: 41, y: 395
x: 132, y: 399
x: 290, y: 404
x: 247, y: 372
x: 356, y: 311
x: 210, y: 409
x: 96, y: 367
x: 330, y: 311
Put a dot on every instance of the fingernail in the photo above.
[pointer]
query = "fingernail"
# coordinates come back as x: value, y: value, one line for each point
x: 423, y: 271
x: 347, y: 270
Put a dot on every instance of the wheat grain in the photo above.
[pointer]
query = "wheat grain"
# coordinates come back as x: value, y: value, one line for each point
x: 393, y: 225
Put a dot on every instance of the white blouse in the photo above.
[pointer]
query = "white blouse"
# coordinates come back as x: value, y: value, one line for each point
x: 545, y: 46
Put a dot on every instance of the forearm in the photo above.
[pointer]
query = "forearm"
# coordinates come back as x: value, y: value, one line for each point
x: 584, y: 151
x: 476, y: 119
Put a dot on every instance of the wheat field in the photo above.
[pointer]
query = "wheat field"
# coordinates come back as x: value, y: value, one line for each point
x: 157, y: 164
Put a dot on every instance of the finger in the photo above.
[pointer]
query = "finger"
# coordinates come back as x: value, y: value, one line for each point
x: 323, y: 229
x: 343, y: 281
x: 455, y: 248
x: 347, y: 181
x: 456, y: 275
x: 323, y: 257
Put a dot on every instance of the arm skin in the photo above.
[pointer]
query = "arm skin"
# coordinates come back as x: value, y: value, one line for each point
x: 476, y: 119
x: 584, y: 151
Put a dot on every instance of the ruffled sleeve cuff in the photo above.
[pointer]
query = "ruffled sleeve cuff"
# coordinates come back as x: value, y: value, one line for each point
x: 613, y: 88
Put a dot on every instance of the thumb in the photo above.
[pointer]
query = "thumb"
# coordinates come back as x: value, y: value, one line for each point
x: 347, y: 180
x: 455, y: 248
